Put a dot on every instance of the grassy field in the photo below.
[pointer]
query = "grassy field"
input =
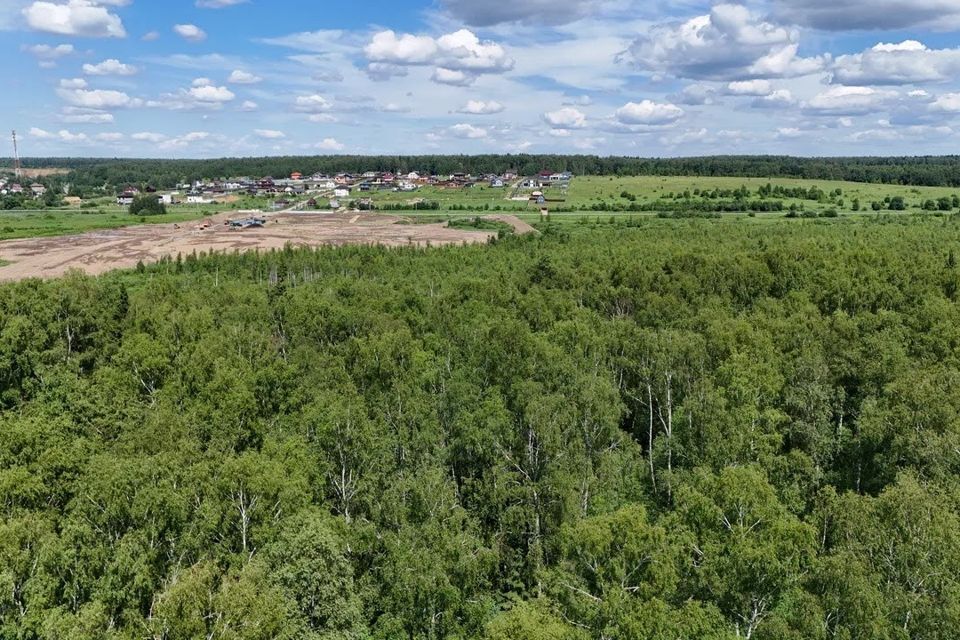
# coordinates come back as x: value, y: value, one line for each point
x: 587, y: 200
x: 104, y: 213
x: 601, y: 192
x: 35, y: 224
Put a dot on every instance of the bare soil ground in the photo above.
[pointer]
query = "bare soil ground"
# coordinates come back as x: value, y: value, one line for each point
x: 101, y: 251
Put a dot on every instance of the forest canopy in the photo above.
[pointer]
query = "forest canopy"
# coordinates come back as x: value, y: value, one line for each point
x: 658, y: 429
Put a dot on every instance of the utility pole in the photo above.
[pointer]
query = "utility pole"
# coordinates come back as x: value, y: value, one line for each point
x: 17, y: 170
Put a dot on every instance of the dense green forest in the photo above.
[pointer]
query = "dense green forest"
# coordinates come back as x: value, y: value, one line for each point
x: 88, y: 173
x: 656, y: 429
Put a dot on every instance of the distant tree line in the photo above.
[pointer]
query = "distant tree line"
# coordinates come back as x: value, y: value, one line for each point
x: 940, y: 171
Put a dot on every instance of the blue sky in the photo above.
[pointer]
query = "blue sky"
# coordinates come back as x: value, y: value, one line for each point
x: 205, y: 78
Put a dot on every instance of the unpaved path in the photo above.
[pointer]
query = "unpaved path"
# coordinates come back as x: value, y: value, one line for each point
x: 100, y: 251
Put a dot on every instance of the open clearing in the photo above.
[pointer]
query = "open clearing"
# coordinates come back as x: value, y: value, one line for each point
x: 101, y: 251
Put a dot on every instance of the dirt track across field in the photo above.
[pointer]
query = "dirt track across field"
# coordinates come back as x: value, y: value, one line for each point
x: 100, y: 251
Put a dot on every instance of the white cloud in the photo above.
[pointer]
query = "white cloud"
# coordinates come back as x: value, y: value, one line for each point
x: 467, y: 132
x: 186, y: 140
x: 63, y: 135
x: 249, y: 105
x: 146, y: 136
x: 97, y: 98
x: 452, y: 77
x: 110, y: 137
x: 754, y: 88
x: 110, y: 67
x: 329, y: 144
x: 48, y: 52
x: 565, y: 118
x: 202, y: 95
x: 73, y: 83
x: 648, y: 113
x: 386, y: 46
x: 461, y: 51
x: 75, y: 18
x: 841, y: 100
x: 190, y: 32
x: 312, y: 104
x: 269, y: 134
x: 243, y: 77
x: 947, y: 103
x: 208, y: 93
x: 697, y: 94
x: 789, y: 133
x: 908, y: 62
x: 481, y: 107
x: 729, y: 43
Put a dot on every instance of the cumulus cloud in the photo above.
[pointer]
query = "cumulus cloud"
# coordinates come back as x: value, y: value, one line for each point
x: 696, y: 95
x: 459, y: 57
x: 947, y: 103
x: 63, y: 135
x: 249, y: 105
x: 467, y: 132
x: 848, y: 101
x: 485, y: 14
x: 831, y: 15
x: 97, y: 98
x: 330, y: 144
x: 729, y: 43
x: 147, y: 136
x: 110, y: 67
x: 202, y: 95
x: 566, y: 118
x: 908, y: 62
x: 209, y: 93
x: 190, y: 32
x: 269, y: 134
x: 49, y: 53
x: 85, y: 18
x: 185, y: 140
x: 751, y: 88
x: 648, y: 113
x: 243, y: 77
x: 312, y: 104
x: 481, y: 108
x: 73, y: 83
x: 452, y: 77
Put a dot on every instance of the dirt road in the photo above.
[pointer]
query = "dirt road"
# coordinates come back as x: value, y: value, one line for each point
x: 101, y: 251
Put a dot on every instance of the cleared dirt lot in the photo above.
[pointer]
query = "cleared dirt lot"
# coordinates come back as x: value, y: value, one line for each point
x: 98, y: 252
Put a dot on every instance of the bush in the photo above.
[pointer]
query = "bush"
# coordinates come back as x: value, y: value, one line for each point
x: 147, y: 206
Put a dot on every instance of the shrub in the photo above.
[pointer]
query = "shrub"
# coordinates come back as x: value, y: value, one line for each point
x: 147, y: 206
